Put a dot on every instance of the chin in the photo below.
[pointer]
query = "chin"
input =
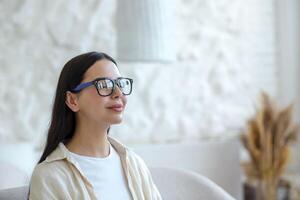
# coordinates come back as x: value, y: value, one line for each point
x: 116, y: 121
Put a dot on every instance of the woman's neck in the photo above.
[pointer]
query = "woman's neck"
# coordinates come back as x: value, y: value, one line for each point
x: 89, y: 140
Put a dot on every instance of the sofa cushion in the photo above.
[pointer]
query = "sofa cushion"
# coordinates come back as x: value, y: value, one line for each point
x: 19, y: 193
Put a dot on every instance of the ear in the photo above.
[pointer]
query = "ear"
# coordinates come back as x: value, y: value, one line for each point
x: 72, y: 101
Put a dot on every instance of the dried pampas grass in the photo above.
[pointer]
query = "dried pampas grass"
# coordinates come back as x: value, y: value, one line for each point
x: 267, y: 141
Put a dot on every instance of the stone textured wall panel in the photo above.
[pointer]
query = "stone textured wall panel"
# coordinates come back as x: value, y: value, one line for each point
x: 225, y: 53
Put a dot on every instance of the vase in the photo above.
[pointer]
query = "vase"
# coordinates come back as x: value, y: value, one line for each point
x: 266, y: 190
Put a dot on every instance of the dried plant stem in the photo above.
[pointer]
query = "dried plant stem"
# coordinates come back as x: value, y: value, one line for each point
x: 267, y: 140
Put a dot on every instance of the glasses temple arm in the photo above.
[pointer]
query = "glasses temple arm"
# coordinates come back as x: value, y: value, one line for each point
x: 82, y: 86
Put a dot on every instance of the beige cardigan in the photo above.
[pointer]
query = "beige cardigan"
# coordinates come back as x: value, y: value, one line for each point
x: 60, y: 177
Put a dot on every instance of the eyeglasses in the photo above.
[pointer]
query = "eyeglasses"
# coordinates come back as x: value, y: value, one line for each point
x: 106, y: 86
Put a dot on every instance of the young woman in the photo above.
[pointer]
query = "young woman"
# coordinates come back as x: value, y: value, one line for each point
x: 80, y: 160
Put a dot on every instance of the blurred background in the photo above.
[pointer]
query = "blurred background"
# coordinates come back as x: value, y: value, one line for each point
x: 198, y: 68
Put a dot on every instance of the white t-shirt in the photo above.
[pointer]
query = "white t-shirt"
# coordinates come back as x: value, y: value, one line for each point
x: 106, y: 175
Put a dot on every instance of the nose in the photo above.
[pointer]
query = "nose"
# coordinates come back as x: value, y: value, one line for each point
x: 117, y: 92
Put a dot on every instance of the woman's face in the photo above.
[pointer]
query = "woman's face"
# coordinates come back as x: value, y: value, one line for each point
x: 104, y: 110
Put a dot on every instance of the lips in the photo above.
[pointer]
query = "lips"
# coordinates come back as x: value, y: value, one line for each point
x: 116, y: 107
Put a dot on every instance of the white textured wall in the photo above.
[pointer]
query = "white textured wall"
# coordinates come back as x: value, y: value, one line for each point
x: 225, y: 52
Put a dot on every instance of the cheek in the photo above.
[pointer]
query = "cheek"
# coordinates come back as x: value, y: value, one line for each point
x: 93, y: 103
x: 98, y: 104
x: 96, y: 110
x: 124, y: 100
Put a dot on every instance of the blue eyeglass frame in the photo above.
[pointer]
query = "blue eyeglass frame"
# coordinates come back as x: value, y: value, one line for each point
x: 81, y: 86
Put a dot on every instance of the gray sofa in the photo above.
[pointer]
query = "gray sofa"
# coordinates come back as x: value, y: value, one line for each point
x: 174, y: 184
x: 18, y: 193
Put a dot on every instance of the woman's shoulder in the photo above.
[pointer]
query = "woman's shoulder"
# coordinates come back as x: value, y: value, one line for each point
x: 49, y: 179
x: 54, y: 163
x: 49, y: 169
x: 136, y: 160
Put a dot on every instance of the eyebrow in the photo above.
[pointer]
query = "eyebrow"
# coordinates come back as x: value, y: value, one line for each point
x: 103, y: 77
